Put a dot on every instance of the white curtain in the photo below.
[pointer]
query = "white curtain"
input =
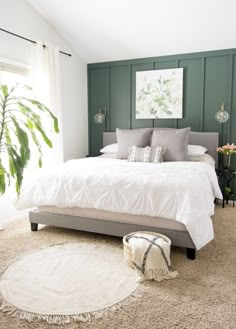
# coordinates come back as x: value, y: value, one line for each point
x: 46, y: 87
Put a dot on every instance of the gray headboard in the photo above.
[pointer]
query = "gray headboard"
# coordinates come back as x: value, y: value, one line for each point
x: 207, y: 139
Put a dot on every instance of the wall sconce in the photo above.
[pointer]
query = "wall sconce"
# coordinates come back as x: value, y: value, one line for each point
x: 222, y: 116
x: 100, y: 116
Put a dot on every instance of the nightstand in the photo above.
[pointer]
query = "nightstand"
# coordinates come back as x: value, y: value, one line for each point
x: 227, y: 180
x: 92, y: 155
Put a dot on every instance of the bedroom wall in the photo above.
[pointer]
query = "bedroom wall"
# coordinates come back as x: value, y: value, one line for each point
x: 209, y: 80
x: 17, y: 16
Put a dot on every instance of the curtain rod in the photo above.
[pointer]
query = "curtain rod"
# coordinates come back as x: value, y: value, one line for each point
x: 32, y: 41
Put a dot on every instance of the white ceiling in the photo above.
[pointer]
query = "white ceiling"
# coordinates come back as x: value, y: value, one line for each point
x: 107, y: 30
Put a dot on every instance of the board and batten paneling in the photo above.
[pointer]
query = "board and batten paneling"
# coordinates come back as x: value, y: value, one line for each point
x: 232, y: 126
x: 209, y: 80
x: 98, y: 90
x: 192, y: 94
x: 216, y: 90
x: 119, y: 104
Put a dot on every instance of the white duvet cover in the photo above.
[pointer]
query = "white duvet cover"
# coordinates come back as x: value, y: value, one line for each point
x: 183, y: 191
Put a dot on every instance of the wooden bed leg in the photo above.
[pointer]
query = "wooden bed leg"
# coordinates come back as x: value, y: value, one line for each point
x: 34, y: 227
x: 191, y: 253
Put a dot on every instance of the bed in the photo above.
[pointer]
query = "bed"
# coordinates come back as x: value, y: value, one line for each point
x: 104, y: 220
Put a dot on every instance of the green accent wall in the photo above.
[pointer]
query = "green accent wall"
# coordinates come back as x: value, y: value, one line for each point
x: 209, y: 80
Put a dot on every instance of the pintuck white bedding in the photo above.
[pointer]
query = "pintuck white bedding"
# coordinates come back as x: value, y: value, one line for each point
x: 182, y: 191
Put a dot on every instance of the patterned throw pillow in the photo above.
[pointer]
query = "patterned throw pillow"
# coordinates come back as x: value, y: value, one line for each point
x: 146, y: 154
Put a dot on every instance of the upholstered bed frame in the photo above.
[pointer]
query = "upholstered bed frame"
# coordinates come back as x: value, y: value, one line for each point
x: 179, y: 237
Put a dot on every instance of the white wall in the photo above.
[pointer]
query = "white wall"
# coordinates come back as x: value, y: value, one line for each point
x: 136, y: 28
x: 17, y: 16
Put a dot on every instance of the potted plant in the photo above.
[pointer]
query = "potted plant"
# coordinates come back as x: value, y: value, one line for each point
x: 20, y: 125
x: 227, y: 150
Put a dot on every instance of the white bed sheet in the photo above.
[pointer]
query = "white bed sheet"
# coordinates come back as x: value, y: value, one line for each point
x: 183, y: 191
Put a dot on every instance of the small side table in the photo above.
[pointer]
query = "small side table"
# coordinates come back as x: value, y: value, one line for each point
x: 227, y: 179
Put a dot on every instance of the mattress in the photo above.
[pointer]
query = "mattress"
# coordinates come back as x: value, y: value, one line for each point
x: 116, y: 217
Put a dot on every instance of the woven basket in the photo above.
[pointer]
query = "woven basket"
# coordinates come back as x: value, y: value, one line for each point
x: 128, y: 251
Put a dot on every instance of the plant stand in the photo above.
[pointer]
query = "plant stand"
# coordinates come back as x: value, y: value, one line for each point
x: 228, y: 185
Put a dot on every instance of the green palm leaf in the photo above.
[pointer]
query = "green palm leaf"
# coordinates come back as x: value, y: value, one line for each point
x: 20, y: 125
x: 43, y: 108
x: 2, y: 179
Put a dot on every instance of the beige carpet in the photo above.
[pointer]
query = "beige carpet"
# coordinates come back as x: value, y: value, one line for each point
x: 203, y: 296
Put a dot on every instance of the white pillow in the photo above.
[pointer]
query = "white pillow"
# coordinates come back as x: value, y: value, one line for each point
x: 206, y: 158
x: 109, y: 155
x: 193, y: 150
x: 196, y: 150
x: 112, y: 148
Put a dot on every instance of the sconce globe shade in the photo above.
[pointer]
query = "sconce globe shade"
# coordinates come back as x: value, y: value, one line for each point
x: 99, y: 118
x: 222, y: 116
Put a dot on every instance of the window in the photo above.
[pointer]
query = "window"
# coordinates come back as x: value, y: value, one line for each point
x: 12, y: 73
x: 7, y: 65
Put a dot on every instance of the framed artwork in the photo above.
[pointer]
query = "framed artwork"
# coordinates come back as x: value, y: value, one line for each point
x: 159, y: 94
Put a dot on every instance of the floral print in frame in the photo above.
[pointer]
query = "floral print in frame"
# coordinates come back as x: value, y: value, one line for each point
x: 159, y: 94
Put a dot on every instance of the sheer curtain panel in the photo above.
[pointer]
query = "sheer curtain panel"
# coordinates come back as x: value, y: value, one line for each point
x: 46, y: 87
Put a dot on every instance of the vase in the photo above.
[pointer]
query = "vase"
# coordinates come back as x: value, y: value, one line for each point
x: 226, y: 161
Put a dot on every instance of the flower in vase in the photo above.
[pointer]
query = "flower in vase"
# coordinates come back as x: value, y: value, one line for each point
x: 227, y: 149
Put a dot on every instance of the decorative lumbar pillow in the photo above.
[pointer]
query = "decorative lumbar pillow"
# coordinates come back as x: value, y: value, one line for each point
x: 146, y: 154
x: 109, y: 149
x: 196, y: 150
x: 139, y: 154
x: 176, y: 141
x: 127, y: 138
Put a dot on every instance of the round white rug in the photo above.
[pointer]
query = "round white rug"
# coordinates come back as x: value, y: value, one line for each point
x: 65, y: 282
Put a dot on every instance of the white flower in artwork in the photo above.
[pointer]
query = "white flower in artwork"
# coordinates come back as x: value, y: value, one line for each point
x: 159, y: 94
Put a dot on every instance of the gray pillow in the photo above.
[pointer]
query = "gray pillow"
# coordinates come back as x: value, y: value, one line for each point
x: 176, y: 141
x: 127, y: 138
